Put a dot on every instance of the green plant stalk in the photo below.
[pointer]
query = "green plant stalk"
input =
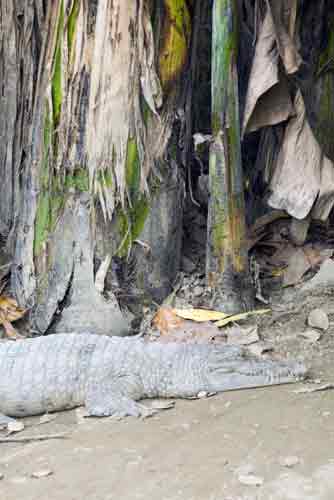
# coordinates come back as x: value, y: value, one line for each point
x: 226, y: 249
x: 175, y: 38
x: 71, y: 25
x: 56, y: 88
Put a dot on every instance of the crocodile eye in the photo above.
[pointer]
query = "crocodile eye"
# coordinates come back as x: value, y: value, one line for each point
x: 20, y: 410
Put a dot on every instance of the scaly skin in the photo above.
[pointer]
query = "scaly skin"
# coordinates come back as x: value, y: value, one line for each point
x: 109, y: 374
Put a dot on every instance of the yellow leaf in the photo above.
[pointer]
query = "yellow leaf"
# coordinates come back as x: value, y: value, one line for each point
x: 10, y: 310
x: 277, y: 272
x: 238, y: 317
x: 200, y: 315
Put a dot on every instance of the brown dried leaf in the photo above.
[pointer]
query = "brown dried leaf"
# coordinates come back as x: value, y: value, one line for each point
x: 298, y: 265
x: 297, y: 261
x: 166, y: 320
x: 268, y: 101
x: 284, y: 17
x: 301, y: 172
x: 9, y: 312
x: 317, y: 256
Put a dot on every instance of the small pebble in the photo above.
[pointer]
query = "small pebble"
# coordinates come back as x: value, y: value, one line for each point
x: 311, y: 335
x: 326, y: 414
x: 198, y: 291
x: 318, y: 319
x: 15, y: 426
x: 1, y: 476
x: 289, y: 462
x: 250, y: 480
x: 245, y: 470
x: 42, y: 473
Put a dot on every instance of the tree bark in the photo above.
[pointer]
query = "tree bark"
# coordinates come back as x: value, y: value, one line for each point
x: 97, y: 102
x: 90, y: 89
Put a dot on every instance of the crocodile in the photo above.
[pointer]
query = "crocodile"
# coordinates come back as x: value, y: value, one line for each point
x: 110, y: 375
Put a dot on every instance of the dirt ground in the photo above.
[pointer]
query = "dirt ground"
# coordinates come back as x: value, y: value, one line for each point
x: 200, y: 449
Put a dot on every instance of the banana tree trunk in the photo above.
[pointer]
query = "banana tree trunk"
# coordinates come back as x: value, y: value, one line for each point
x: 89, y: 92
x: 227, y: 262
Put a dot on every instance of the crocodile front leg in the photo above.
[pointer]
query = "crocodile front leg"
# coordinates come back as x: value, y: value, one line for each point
x: 116, y: 396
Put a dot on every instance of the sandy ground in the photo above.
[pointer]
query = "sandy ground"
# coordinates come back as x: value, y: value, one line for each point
x: 199, y: 449
x: 193, y: 452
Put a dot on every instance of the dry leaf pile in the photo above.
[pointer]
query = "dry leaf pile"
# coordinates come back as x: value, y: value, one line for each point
x: 277, y: 256
x: 10, y: 312
x: 198, y: 325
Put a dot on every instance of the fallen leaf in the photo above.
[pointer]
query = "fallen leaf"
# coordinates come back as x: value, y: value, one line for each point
x: 166, y: 320
x: 200, y: 315
x: 298, y: 265
x: 10, y: 312
x: 173, y: 328
x: 241, y: 316
x: 11, y: 309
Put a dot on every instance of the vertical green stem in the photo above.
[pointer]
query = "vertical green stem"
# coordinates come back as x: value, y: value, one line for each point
x: 227, y: 266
